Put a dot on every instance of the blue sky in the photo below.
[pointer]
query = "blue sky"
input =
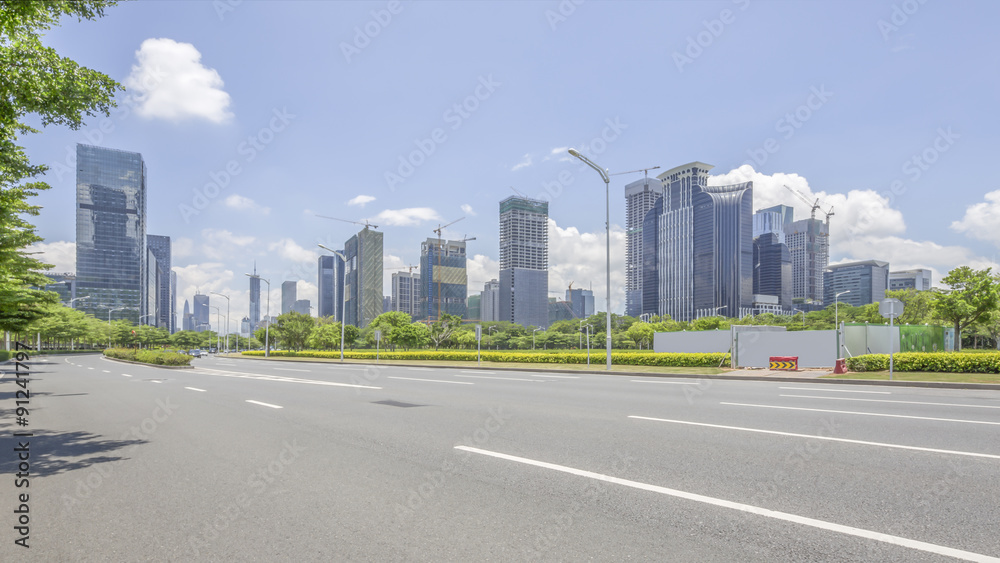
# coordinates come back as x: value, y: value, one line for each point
x: 310, y: 105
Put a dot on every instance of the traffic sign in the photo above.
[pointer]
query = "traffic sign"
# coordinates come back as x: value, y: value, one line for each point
x: 890, y: 308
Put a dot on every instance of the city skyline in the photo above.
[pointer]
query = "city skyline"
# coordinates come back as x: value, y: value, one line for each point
x: 875, y: 154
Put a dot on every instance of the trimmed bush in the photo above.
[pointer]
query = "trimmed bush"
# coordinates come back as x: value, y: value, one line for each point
x: 955, y: 362
x: 4, y: 355
x: 154, y: 357
x: 620, y: 358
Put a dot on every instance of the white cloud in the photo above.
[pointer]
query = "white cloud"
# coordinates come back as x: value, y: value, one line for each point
x: 561, y: 154
x: 169, y: 82
x: 220, y: 244
x: 467, y: 209
x: 181, y: 247
x: 290, y: 250
x: 982, y: 220
x: 409, y: 217
x: 61, y: 254
x: 361, y: 200
x: 581, y: 258
x: 481, y: 269
x: 237, y: 201
x: 525, y: 162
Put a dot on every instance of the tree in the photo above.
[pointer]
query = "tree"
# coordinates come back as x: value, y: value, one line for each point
x: 36, y: 80
x: 293, y: 328
x: 970, y: 295
x: 641, y: 333
x: 185, y: 339
x: 917, y: 305
x: 325, y: 336
x: 389, y: 323
x: 351, y: 335
x: 413, y: 335
x: 442, y: 329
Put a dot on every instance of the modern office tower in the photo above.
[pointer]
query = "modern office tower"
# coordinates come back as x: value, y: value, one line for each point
x: 650, y: 260
x: 866, y: 280
x: 187, y: 319
x: 919, y: 279
x: 406, y: 293
x: 173, y: 301
x: 489, y: 305
x: 640, y: 196
x: 768, y: 222
x: 363, y: 277
x: 444, y: 280
x: 473, y: 307
x: 524, y: 261
x: 301, y: 306
x: 808, y: 242
x: 723, y: 250
x: 675, y: 239
x: 581, y: 302
x: 331, y: 287
x: 201, y: 312
x: 386, y: 304
x: 246, y: 327
x: 786, y: 216
x: 159, y: 245
x: 288, y: 296
x: 110, y: 232
x: 254, y: 299
x: 772, y: 269
x: 150, y: 290
x: 64, y: 285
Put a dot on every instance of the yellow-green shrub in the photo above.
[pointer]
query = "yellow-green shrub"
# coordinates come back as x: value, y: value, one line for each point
x: 956, y: 362
x: 619, y: 358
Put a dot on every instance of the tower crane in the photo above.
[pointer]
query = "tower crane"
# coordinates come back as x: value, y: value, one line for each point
x: 437, y: 271
x: 814, y: 205
x: 366, y: 223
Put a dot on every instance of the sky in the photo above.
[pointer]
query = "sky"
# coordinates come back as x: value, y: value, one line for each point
x: 255, y: 118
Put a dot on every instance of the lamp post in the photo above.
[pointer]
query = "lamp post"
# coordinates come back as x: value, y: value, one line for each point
x: 589, y: 326
x: 227, y: 319
x: 533, y: 337
x: 218, y: 313
x: 836, y: 318
x: 491, y: 329
x: 109, y: 322
x: 267, y: 327
x: 803, y: 316
x: 607, y: 225
x: 343, y: 308
x: 77, y: 299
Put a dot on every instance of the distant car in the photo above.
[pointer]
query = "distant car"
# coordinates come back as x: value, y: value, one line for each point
x: 195, y: 353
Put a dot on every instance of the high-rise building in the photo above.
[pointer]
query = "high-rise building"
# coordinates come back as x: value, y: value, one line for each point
x: 301, y: 306
x: 386, y: 304
x: 524, y: 261
x: 559, y: 311
x: 64, y: 285
x: 159, y: 245
x: 650, y: 260
x: 201, y: 312
x: 640, y: 197
x: 581, y: 302
x: 363, y: 277
x: 866, y: 280
x: 173, y: 301
x: 786, y: 216
x: 331, y: 287
x: 772, y: 269
x: 809, y: 244
x: 919, y: 279
x: 489, y: 304
x: 246, y: 328
x: 406, y: 293
x: 150, y: 290
x: 187, y: 319
x: 111, y: 232
x: 704, y: 246
x: 444, y: 279
x: 288, y: 296
x: 473, y: 307
x: 254, y: 299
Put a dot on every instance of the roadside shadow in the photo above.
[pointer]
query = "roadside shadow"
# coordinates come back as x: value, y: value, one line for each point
x: 52, y: 453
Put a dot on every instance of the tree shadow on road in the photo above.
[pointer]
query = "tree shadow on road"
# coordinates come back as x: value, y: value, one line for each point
x: 52, y: 453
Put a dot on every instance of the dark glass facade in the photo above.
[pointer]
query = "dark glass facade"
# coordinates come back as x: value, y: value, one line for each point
x: 111, y: 232
x: 723, y: 250
x: 443, y: 278
x: 650, y: 252
x: 363, y: 277
x: 331, y: 287
x: 772, y: 274
x: 163, y: 314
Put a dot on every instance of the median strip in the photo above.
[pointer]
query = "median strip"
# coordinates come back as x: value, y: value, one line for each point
x: 783, y: 516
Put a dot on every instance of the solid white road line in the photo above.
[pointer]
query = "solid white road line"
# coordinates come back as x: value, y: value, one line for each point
x: 503, y: 378
x: 812, y: 437
x: 433, y: 380
x: 900, y: 402
x: 278, y: 378
x: 292, y: 369
x: 863, y: 413
x: 265, y: 404
x: 665, y: 382
x: 195, y: 389
x: 784, y: 516
x: 823, y: 388
x: 556, y: 376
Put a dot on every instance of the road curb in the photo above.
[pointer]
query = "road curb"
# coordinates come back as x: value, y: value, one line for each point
x: 145, y: 364
x: 929, y: 384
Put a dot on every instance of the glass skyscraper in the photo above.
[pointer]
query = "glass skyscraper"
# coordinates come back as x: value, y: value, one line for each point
x: 406, y: 293
x: 444, y: 280
x: 640, y: 197
x: 159, y: 247
x: 363, y: 277
x: 524, y: 262
x: 111, y: 248
x: 331, y: 287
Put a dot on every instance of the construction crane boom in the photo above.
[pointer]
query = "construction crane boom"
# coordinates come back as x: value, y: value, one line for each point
x: 366, y: 223
x: 814, y: 205
x: 437, y: 274
x: 643, y: 170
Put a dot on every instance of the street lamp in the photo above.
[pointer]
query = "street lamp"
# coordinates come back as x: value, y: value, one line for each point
x: 343, y: 308
x: 836, y: 316
x: 533, y: 337
x: 589, y: 326
x: 267, y: 327
x: 218, y: 313
x: 77, y: 299
x: 227, y: 319
x: 607, y: 224
x: 491, y: 329
x: 803, y: 316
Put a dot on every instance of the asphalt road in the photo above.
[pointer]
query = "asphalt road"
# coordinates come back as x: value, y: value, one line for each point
x: 245, y: 460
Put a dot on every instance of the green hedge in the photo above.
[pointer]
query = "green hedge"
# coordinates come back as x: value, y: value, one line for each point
x: 619, y: 358
x: 4, y: 355
x: 154, y: 357
x: 955, y: 362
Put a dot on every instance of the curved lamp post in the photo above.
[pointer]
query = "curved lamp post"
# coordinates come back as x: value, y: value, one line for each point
x: 607, y: 224
x: 227, y: 319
